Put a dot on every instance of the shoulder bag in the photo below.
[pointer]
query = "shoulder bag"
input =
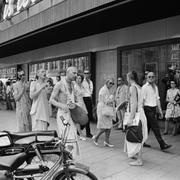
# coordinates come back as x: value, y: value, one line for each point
x: 134, y: 132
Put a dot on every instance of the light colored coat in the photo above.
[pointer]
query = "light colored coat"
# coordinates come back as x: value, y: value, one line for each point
x: 105, y: 97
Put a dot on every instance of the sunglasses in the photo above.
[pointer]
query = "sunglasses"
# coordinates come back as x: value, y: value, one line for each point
x: 111, y: 83
x: 151, y: 76
x: 21, y: 75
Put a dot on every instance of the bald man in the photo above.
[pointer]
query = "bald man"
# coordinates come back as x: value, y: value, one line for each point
x: 151, y: 103
x: 62, y: 95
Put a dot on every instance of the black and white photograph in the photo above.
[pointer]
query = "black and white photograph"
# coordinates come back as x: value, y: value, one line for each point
x: 89, y: 90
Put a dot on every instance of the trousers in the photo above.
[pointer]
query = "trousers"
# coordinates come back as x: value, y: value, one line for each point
x: 152, y: 123
x: 88, y: 103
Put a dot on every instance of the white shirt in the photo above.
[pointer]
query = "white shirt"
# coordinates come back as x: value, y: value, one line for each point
x: 88, y: 88
x: 150, y: 95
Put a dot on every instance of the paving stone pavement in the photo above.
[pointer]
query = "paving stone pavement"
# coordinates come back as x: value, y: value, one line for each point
x: 112, y: 163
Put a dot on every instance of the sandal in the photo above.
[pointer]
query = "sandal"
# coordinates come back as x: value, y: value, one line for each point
x: 136, y: 163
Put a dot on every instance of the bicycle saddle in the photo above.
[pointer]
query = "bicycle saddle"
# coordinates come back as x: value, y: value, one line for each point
x: 20, y: 135
x: 11, y: 162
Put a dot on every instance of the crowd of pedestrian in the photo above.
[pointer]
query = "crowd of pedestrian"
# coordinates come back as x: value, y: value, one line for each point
x: 134, y: 107
x: 130, y: 105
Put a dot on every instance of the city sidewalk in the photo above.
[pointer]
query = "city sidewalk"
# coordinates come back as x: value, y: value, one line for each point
x: 112, y: 163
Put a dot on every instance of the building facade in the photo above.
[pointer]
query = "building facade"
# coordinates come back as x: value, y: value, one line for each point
x: 108, y: 37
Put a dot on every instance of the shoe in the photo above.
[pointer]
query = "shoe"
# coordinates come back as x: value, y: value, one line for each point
x: 118, y: 128
x: 165, y: 133
x: 166, y: 146
x: 146, y: 145
x: 82, y: 138
x: 89, y: 136
x: 95, y: 142
x: 136, y: 163
x: 134, y: 157
x: 108, y: 145
x: 94, y: 137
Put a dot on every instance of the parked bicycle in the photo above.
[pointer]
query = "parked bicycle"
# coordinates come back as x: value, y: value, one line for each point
x: 29, y: 156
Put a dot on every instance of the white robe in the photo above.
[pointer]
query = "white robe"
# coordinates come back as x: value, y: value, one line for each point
x: 133, y: 148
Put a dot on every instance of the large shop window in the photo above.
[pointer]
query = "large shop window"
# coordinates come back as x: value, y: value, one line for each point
x: 8, y: 73
x: 164, y: 60
x: 57, y: 65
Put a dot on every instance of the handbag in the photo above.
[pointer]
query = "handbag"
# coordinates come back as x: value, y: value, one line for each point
x: 78, y: 114
x: 177, y: 98
x: 134, y: 133
x: 108, y: 111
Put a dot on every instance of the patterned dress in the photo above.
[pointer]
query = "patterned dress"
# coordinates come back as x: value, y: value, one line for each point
x: 173, y: 110
x: 23, y: 106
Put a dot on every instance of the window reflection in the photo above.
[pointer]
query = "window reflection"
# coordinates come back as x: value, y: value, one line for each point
x: 55, y: 66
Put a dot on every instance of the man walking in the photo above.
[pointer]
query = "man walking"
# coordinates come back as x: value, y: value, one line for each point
x: 88, y: 90
x: 151, y: 103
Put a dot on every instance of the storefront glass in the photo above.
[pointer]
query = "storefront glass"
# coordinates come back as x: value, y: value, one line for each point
x: 55, y: 66
x: 164, y: 60
x: 8, y: 73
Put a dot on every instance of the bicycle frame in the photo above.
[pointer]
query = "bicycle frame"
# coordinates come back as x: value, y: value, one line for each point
x: 62, y: 164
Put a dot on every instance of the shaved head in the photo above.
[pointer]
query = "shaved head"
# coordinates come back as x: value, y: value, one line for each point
x: 150, y: 74
x: 41, y: 73
x: 70, y: 69
x: 71, y: 73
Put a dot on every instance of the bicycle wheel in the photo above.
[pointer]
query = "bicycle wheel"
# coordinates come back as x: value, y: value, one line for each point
x: 75, y: 174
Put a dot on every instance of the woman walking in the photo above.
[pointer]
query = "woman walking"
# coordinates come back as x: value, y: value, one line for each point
x: 134, y: 150
x: 105, y: 102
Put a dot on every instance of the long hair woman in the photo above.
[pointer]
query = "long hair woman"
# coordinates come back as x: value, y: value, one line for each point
x: 134, y: 150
